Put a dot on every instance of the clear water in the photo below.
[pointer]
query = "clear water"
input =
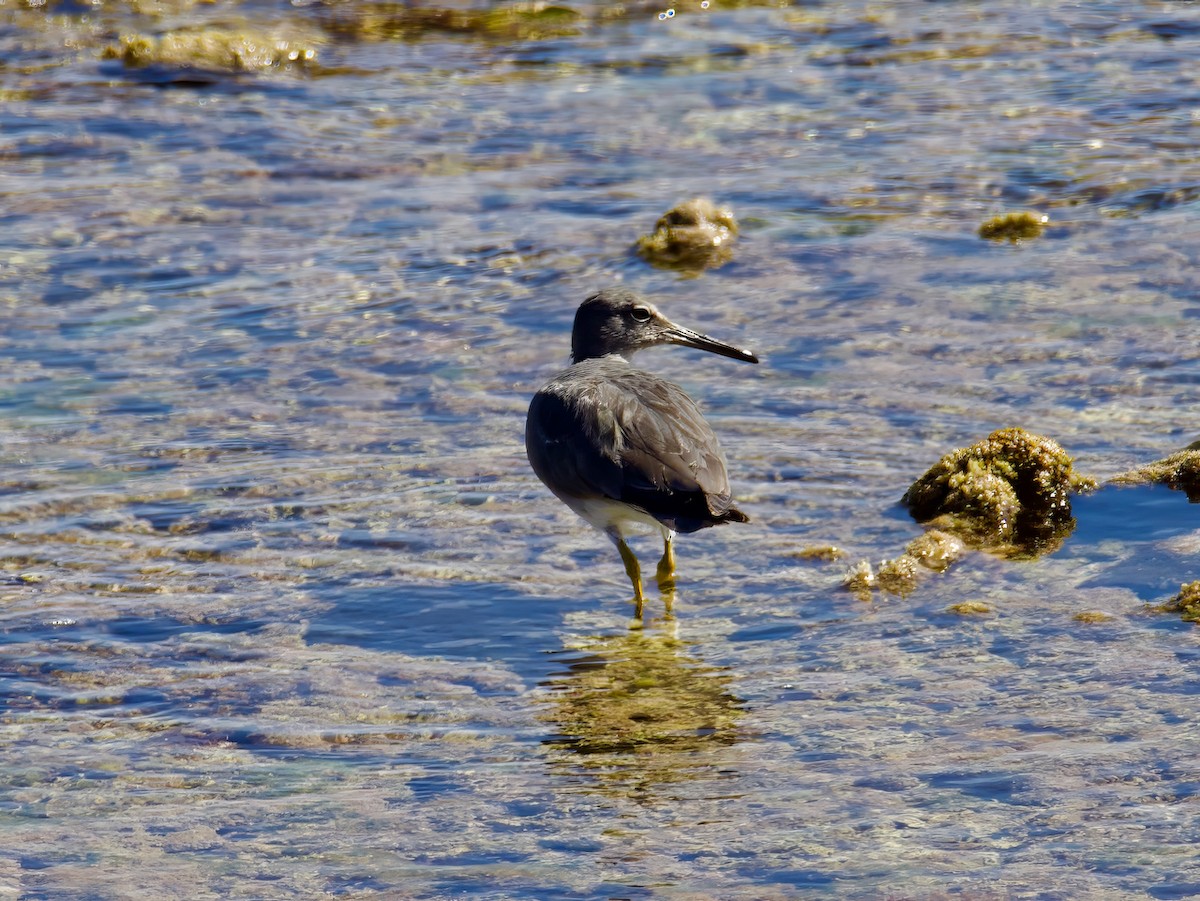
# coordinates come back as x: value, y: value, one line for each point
x: 283, y: 611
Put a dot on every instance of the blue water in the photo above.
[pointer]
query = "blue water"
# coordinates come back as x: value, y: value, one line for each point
x: 283, y: 610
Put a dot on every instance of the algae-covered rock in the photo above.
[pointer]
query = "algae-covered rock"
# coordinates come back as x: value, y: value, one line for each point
x: 391, y: 20
x: 532, y: 21
x: 1180, y: 471
x: 819, y: 552
x: 895, y: 576
x: 969, y: 608
x: 1013, y: 227
x: 1009, y: 493
x: 694, y: 235
x: 1186, y: 603
x: 898, y: 575
x: 936, y: 549
x: 860, y: 579
x: 211, y: 50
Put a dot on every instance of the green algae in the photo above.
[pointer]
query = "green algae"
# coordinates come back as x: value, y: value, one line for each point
x: 828, y: 552
x: 390, y: 21
x: 1090, y: 617
x: 1186, y: 603
x: 213, y: 50
x: 522, y: 21
x: 1179, y: 471
x: 969, y: 608
x: 691, y: 236
x: 1013, y: 227
x: 1009, y: 493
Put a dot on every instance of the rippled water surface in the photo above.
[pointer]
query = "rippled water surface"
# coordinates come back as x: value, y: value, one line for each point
x: 284, y: 612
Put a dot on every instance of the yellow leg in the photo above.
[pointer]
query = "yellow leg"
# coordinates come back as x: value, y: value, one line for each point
x: 666, y: 567
x: 666, y: 574
x: 635, y: 576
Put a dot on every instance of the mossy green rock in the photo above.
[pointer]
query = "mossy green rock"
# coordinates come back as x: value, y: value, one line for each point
x: 1009, y: 493
x: 694, y: 235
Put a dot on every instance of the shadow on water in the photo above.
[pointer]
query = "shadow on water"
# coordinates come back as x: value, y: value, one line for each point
x: 637, y: 712
x: 474, y: 621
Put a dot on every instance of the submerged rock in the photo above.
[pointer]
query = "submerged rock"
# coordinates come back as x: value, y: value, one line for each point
x: 1013, y: 227
x: 819, y: 552
x: 694, y: 235
x: 1180, y: 471
x: 1092, y: 617
x: 1009, y: 493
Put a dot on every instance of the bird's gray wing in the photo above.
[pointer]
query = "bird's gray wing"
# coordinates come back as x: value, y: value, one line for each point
x: 563, y: 438
x: 604, y: 429
x: 672, y: 463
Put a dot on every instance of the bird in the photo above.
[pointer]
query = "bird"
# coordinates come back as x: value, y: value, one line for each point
x: 623, y: 447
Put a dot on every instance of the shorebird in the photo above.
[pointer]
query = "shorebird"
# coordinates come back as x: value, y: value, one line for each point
x: 623, y: 447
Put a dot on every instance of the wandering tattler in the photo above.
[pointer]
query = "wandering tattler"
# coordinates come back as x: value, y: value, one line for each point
x: 621, y: 446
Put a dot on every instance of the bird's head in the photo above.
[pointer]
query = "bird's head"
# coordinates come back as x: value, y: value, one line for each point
x: 618, y: 321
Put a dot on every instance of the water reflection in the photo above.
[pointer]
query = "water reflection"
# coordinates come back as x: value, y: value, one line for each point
x: 637, y: 711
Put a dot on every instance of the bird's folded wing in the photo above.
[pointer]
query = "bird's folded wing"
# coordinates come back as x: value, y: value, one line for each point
x: 624, y: 435
x: 670, y: 459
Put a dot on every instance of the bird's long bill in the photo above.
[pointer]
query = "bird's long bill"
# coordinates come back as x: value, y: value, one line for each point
x: 677, y: 334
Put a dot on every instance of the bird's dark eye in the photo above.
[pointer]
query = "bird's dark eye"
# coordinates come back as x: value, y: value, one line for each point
x: 641, y: 314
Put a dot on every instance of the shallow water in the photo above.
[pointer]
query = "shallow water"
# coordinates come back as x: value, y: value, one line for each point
x: 283, y: 610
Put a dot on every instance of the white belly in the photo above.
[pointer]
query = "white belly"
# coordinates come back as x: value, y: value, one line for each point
x: 615, y: 519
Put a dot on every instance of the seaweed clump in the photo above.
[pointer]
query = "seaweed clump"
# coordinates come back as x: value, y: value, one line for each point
x: 1186, y: 603
x: 692, y: 236
x: 1013, y: 227
x: 211, y: 50
x: 1009, y: 493
x: 1179, y: 471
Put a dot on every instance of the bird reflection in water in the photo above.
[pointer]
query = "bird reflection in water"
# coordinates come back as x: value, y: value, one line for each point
x: 637, y: 711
